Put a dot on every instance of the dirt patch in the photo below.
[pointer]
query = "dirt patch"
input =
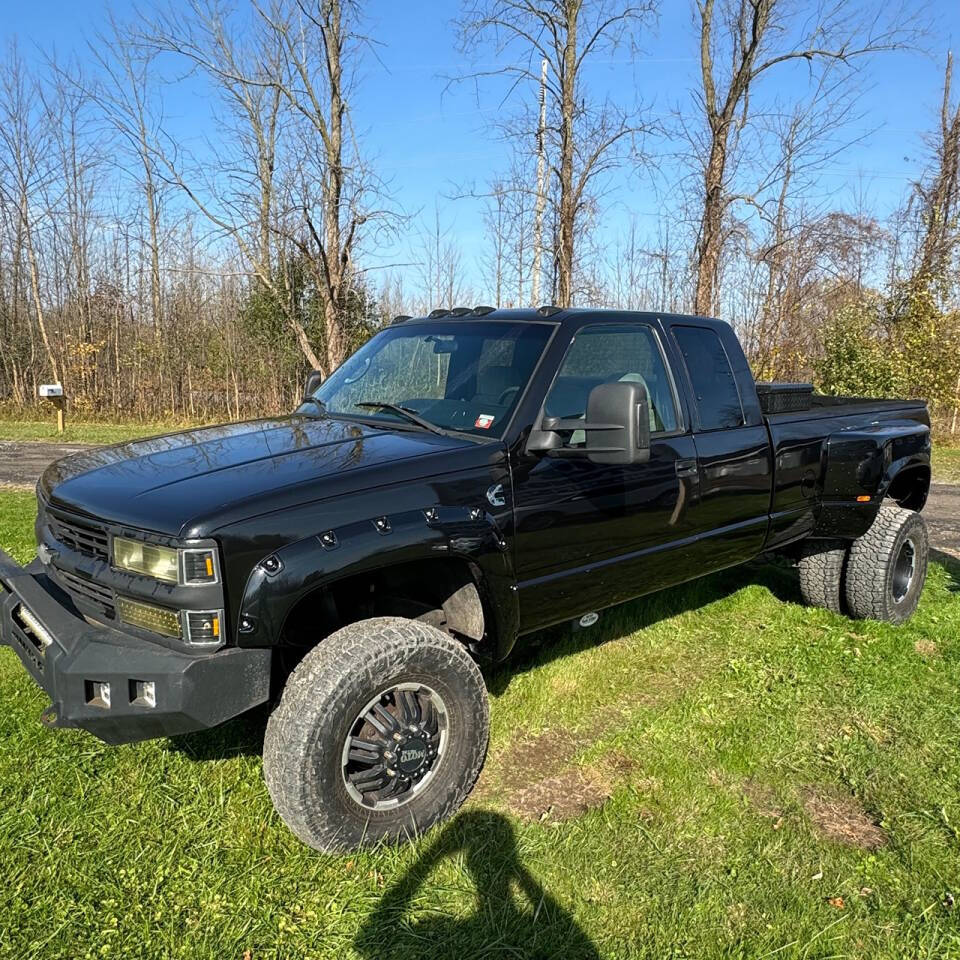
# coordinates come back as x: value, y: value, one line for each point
x: 843, y: 819
x: 926, y: 648
x: 565, y: 796
x: 536, y: 779
x: 617, y: 765
x: 537, y: 758
x: 763, y: 799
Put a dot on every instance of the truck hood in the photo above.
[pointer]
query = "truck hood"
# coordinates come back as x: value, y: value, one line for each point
x: 183, y: 484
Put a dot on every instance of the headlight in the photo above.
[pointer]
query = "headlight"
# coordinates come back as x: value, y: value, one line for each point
x: 152, y: 561
x: 190, y: 566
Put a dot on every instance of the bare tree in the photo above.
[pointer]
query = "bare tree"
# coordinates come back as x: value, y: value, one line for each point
x: 297, y: 68
x: 541, y: 194
x: 498, y: 231
x: 125, y: 95
x: 336, y: 191
x: 939, y: 196
x: 441, y: 267
x: 741, y: 42
x: 587, y: 137
x: 243, y: 66
x: 25, y: 171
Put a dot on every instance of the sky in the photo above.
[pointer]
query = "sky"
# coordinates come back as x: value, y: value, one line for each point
x: 432, y: 142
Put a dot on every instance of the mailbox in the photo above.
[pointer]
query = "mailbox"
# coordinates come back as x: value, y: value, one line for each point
x: 54, y: 393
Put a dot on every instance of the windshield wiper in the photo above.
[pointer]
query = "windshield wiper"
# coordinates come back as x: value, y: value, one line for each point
x: 404, y: 412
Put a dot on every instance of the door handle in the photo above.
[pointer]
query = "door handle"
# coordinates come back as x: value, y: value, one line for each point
x: 685, y: 468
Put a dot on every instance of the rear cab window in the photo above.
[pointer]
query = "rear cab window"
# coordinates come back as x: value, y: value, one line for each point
x: 711, y: 377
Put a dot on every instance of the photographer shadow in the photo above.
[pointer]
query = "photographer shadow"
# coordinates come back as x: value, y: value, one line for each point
x: 499, y: 925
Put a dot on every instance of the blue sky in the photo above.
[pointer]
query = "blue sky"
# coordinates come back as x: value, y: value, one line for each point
x: 429, y: 141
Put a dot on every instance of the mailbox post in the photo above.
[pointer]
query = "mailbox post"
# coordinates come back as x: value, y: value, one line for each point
x: 54, y: 393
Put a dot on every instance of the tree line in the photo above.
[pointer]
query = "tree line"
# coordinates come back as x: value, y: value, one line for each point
x: 158, y: 281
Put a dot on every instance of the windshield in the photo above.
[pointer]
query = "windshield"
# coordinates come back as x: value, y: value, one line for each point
x: 456, y: 375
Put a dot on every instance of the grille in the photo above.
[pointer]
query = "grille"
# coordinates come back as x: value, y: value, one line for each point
x: 89, y: 540
x: 89, y: 591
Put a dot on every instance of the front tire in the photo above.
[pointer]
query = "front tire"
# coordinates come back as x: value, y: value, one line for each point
x: 380, y: 733
x: 887, y: 566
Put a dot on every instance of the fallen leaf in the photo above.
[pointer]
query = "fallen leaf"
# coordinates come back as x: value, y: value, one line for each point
x: 817, y: 876
x: 836, y: 902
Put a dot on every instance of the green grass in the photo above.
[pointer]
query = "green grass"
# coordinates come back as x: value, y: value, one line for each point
x: 710, y: 714
x: 81, y: 431
x: 946, y: 464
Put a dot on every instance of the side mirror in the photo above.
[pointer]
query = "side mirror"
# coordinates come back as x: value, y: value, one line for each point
x: 617, y: 427
x: 314, y: 379
x: 618, y: 423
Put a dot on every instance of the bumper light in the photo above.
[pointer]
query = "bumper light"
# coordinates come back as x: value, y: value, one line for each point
x: 38, y: 630
x: 146, y: 559
x: 146, y: 615
x: 205, y: 627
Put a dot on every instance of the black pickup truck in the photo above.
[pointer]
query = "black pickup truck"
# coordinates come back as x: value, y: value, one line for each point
x: 463, y: 480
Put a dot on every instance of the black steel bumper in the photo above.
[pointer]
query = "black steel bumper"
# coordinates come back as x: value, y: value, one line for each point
x: 191, y: 691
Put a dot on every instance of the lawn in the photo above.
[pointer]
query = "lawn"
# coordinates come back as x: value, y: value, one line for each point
x: 78, y: 431
x: 946, y: 464
x: 712, y: 772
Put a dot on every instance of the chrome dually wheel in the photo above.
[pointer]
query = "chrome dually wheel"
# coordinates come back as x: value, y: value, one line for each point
x: 395, y: 746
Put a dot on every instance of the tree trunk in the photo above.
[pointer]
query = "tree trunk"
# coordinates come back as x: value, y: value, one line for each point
x: 568, y: 210
x: 710, y: 242
x: 35, y: 287
x: 541, y: 200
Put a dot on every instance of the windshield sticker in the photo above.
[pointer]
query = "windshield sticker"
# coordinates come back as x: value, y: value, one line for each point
x: 485, y: 421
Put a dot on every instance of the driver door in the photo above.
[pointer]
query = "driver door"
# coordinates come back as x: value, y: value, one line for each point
x: 590, y: 535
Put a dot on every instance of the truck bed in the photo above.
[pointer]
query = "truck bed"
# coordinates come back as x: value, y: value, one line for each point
x: 822, y: 407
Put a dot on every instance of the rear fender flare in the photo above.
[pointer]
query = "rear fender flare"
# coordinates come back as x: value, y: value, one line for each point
x: 866, y: 463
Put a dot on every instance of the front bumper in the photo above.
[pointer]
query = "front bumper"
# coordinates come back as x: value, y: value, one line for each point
x: 192, y: 691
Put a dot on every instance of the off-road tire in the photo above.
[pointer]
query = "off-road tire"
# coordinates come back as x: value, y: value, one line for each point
x: 821, y: 566
x: 872, y: 566
x: 303, y: 745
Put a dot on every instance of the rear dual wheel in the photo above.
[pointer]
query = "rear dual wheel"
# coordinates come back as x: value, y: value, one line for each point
x: 381, y: 732
x: 887, y: 566
x: 879, y: 576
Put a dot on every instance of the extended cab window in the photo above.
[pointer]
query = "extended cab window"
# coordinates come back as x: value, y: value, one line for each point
x: 606, y: 353
x: 718, y: 399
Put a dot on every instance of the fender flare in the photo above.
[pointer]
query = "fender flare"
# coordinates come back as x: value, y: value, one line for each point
x: 280, y: 580
x: 865, y: 464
